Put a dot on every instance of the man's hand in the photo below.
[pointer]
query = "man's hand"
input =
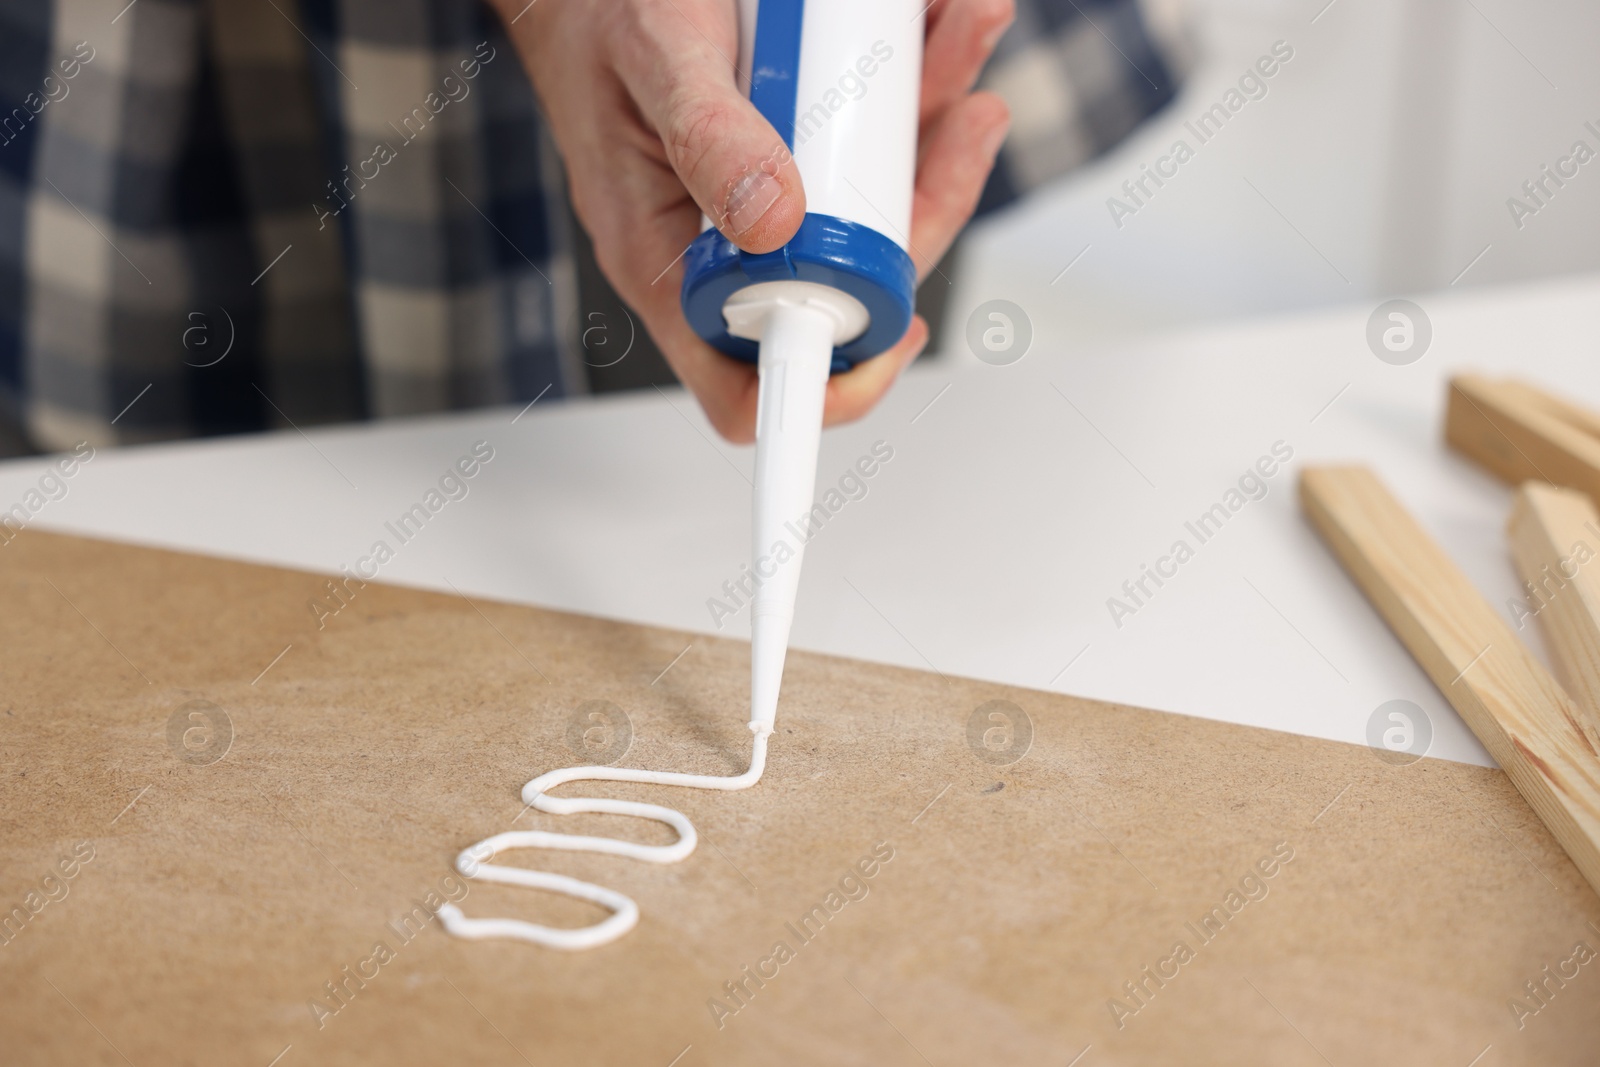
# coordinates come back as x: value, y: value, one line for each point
x: 643, y: 99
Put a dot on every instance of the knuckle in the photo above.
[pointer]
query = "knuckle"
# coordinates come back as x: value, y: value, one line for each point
x: 851, y: 406
x: 695, y: 127
x: 736, y: 426
x: 998, y: 12
x: 849, y: 413
x: 990, y: 107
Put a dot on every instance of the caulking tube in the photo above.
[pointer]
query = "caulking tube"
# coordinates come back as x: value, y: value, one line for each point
x: 840, y: 81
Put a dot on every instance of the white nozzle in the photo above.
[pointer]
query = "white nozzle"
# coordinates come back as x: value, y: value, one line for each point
x: 797, y: 342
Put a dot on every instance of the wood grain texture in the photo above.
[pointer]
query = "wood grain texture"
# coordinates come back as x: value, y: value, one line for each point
x: 1555, y: 541
x: 1530, y: 725
x: 222, y: 899
x: 1519, y: 433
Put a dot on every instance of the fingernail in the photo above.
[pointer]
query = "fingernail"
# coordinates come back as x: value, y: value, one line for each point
x: 749, y: 198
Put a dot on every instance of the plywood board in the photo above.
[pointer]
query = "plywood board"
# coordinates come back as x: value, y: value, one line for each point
x: 1405, y: 909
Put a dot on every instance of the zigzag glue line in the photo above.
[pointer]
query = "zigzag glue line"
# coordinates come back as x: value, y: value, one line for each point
x: 624, y: 912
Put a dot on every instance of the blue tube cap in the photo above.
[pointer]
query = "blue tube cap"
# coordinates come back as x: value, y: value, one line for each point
x: 827, y: 250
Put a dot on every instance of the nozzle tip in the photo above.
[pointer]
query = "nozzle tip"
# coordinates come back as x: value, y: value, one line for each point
x: 769, y: 647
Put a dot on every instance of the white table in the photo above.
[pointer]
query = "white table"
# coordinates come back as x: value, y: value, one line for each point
x: 1017, y: 501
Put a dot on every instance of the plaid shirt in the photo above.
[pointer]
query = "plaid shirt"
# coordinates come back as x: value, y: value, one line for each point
x: 227, y: 215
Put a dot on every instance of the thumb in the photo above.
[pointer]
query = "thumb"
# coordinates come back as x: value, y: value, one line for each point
x: 728, y: 156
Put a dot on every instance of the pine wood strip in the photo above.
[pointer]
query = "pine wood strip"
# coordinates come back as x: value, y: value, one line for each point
x: 1537, y: 733
x: 1555, y: 541
x: 1519, y: 432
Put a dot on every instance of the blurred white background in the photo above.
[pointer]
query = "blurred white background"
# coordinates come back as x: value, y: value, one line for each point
x: 1391, y: 143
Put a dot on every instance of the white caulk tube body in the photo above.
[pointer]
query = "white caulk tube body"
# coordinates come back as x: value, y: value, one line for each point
x: 840, y: 81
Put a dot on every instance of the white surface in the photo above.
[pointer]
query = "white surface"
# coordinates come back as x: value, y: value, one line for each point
x: 987, y: 546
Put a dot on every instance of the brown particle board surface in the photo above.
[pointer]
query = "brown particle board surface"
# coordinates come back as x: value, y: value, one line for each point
x: 223, y: 897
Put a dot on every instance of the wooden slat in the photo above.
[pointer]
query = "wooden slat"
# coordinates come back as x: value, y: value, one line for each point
x: 1521, y: 433
x: 1537, y: 733
x: 1555, y: 540
x: 1581, y: 418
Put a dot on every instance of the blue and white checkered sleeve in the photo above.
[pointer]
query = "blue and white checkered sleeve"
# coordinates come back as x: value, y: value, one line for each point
x: 1078, y: 75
